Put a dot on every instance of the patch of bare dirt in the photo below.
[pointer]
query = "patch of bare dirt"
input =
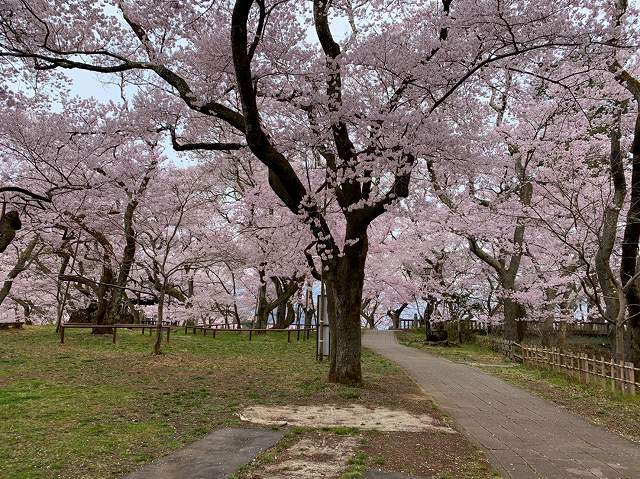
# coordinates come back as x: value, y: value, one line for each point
x: 352, y: 416
x: 314, y: 456
x: 426, y: 454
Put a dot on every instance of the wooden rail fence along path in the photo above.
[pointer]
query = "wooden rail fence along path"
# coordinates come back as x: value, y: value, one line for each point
x: 577, y: 328
x: 620, y: 375
x: 509, y: 349
x: 115, y: 328
x: 306, y: 332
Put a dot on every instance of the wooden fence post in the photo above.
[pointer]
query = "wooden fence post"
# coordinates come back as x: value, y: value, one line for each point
x: 621, y: 375
x: 632, y: 378
x: 114, y: 335
x: 587, y: 363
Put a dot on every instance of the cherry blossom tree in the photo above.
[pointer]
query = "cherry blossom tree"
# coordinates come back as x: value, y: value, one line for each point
x: 338, y: 122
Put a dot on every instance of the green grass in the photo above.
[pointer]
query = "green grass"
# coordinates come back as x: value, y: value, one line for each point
x: 92, y: 409
x: 596, y: 402
x: 357, y: 467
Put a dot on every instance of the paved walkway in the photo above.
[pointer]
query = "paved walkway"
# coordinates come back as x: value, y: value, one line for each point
x: 216, y: 456
x: 524, y: 436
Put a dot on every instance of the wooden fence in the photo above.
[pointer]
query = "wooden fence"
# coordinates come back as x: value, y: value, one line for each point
x: 616, y: 374
x: 620, y: 374
x: 510, y: 349
x: 578, y: 328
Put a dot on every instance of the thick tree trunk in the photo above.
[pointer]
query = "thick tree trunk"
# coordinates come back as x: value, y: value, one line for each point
x: 369, y: 309
x: 281, y: 309
x: 630, y: 250
x: 62, y: 289
x: 395, y: 315
x: 428, y: 313
x: 308, y: 317
x: 609, y: 230
x: 158, y: 342
x: 285, y: 316
x: 284, y: 291
x: 104, y: 298
x: 27, y: 308
x: 514, y: 320
x: 290, y: 317
x: 546, y: 329
x: 24, y: 258
x: 344, y: 295
x: 262, y: 314
x: 308, y: 307
x: 118, y: 294
x: 9, y: 224
x: 236, y: 315
x: 546, y: 332
x: 119, y: 301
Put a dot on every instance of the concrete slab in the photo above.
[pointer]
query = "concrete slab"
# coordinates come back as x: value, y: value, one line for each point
x: 216, y: 456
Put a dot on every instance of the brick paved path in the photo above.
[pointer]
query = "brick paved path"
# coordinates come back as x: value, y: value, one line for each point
x: 524, y: 436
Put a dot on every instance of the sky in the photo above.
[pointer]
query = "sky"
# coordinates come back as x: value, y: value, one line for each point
x: 102, y: 88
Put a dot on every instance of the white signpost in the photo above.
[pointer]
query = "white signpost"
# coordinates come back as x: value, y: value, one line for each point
x: 322, y: 338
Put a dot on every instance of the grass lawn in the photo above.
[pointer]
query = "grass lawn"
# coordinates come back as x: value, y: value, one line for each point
x: 617, y: 412
x: 92, y: 409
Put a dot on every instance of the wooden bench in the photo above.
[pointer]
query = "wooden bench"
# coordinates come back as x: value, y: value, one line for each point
x: 11, y: 324
x: 115, y: 328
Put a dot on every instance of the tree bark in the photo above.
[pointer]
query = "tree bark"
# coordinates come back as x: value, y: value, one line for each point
x: 514, y: 320
x: 118, y: 295
x: 24, y: 258
x: 630, y: 248
x: 158, y: 342
x: 395, y: 315
x: 285, y: 289
x: 104, y: 297
x: 608, y: 232
x: 344, y: 296
x: 344, y: 300
x: 9, y: 224
x: 369, y: 314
